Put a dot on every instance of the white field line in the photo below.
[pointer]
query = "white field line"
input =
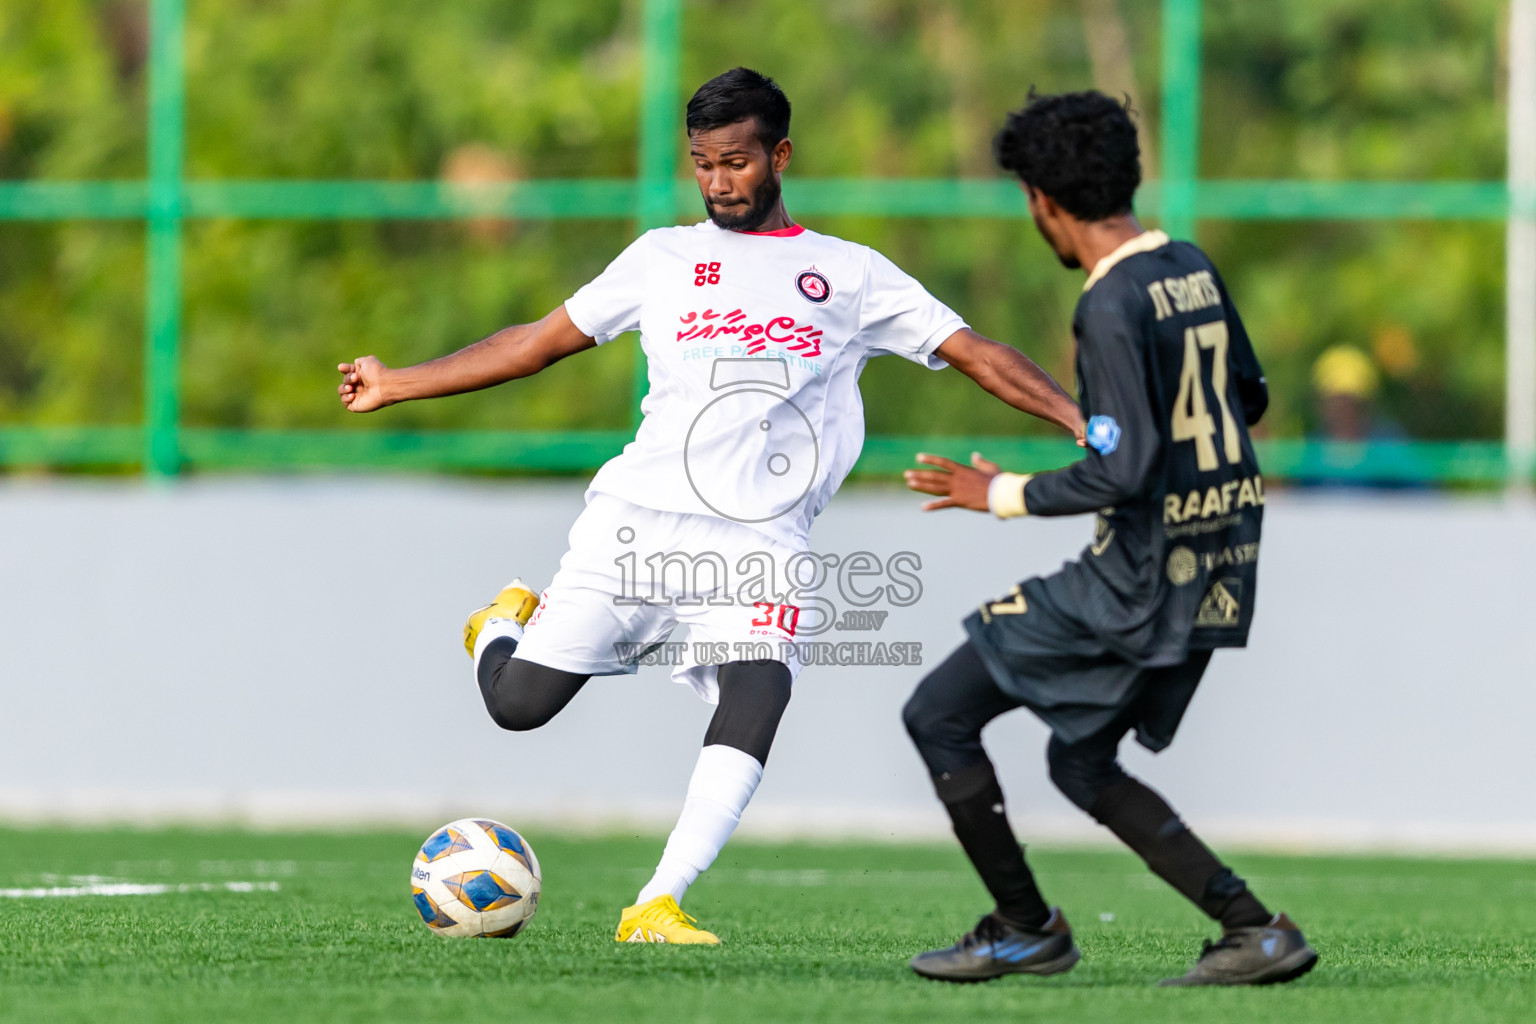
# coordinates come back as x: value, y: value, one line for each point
x: 133, y: 889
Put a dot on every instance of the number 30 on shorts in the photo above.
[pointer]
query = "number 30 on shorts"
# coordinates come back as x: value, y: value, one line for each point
x: 784, y: 616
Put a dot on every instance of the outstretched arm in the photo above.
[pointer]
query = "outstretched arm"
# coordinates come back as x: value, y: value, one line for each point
x: 1116, y: 471
x: 519, y: 351
x: 958, y: 486
x: 1012, y: 376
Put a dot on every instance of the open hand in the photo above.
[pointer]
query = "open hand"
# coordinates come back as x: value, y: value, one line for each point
x: 961, y: 486
x: 361, y: 387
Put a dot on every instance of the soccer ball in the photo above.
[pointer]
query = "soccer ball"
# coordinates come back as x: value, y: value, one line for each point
x: 476, y: 877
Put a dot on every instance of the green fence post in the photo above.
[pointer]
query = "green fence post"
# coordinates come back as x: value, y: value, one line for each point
x: 1180, y: 115
x: 162, y: 301
x: 660, y: 128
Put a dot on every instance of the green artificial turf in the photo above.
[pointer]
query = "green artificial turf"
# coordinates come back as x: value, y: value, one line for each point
x: 812, y: 932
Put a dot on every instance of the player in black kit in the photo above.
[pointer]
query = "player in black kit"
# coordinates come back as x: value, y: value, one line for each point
x: 1117, y: 641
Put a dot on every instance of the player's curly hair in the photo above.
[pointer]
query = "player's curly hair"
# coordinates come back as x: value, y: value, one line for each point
x: 737, y: 95
x: 1079, y: 148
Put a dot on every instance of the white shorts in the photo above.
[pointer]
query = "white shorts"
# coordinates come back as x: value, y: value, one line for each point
x: 633, y: 574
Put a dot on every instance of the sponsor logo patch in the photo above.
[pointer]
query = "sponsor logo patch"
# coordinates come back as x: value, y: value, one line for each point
x: 800, y: 339
x: 814, y: 286
x: 1222, y: 604
x: 1103, y: 434
x: 1183, y: 566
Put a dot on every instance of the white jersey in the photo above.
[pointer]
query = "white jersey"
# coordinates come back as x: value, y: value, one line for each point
x: 755, y: 343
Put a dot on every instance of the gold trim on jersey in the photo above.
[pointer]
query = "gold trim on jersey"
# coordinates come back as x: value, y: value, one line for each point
x: 1015, y: 605
x: 1147, y: 241
x: 1005, y: 495
x: 1103, y: 533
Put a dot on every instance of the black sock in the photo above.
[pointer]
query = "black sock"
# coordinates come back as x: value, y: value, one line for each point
x: 975, y: 804
x: 1239, y: 908
x: 1144, y: 822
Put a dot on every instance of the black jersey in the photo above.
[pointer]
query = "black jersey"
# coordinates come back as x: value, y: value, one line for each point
x: 1169, y: 384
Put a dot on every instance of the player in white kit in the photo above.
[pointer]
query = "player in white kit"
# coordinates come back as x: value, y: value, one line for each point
x: 755, y: 331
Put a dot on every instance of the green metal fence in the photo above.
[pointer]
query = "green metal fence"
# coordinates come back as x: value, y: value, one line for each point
x: 165, y: 200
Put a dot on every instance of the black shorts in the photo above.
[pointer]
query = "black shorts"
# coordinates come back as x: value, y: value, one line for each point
x: 1071, y: 678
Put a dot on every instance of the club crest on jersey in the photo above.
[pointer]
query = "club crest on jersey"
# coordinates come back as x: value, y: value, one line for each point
x: 814, y: 286
x: 1103, y: 434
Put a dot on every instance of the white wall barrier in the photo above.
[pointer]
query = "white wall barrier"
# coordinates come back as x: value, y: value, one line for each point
x: 287, y: 651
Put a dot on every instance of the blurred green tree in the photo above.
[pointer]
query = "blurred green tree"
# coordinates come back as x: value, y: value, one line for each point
x: 483, y: 90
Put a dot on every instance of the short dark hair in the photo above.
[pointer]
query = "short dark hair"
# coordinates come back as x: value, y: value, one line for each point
x: 737, y: 95
x: 1079, y: 148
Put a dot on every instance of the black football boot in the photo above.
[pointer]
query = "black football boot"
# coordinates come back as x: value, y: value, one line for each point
x: 1265, y: 955
x: 995, y: 948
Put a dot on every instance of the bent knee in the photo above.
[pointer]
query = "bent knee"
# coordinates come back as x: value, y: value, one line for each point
x: 1081, y: 779
x: 916, y: 717
x: 516, y: 722
x: 515, y: 697
x: 514, y: 709
x: 1069, y: 783
x: 515, y: 717
x: 927, y: 711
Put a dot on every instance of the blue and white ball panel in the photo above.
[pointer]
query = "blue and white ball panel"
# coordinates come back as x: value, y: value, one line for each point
x: 446, y: 840
x: 512, y: 844
x: 475, y: 877
x: 430, y: 912
x: 482, y: 890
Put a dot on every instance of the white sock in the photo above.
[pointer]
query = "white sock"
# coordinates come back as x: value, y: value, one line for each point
x: 495, y: 629
x: 724, y: 780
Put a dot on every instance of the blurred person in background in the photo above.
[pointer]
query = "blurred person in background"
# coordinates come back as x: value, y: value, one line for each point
x: 1347, y: 382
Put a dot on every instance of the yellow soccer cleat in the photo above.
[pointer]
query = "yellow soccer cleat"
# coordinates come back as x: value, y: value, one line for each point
x: 515, y: 602
x: 662, y: 920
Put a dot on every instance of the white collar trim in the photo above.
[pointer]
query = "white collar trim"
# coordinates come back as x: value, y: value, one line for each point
x: 1147, y: 241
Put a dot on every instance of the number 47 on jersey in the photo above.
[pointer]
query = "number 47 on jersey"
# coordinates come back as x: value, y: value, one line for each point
x: 1192, y: 419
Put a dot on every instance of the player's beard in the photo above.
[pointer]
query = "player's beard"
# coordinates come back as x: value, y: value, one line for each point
x: 748, y: 217
x: 1070, y: 262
